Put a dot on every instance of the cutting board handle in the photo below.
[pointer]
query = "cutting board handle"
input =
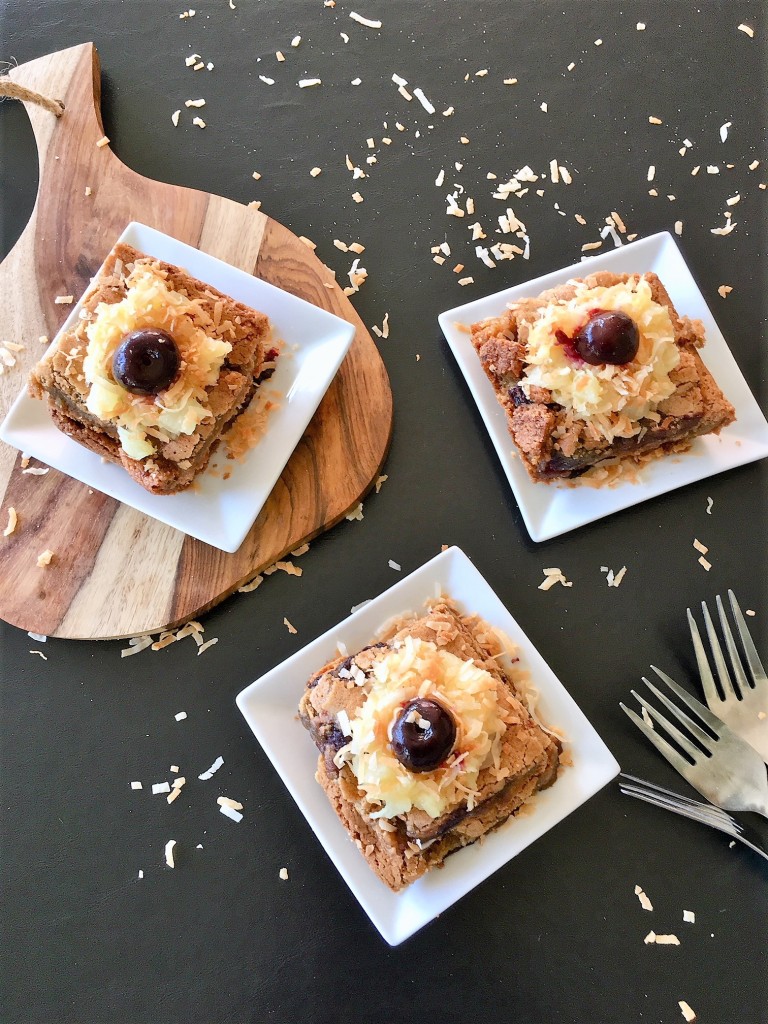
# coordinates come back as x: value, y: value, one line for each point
x: 71, y: 78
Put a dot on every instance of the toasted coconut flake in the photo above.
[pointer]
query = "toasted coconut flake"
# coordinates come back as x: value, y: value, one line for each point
x: 687, y: 1012
x: 356, y: 513
x: 655, y: 120
x: 356, y: 247
x: 309, y: 83
x: 64, y: 300
x: 169, y: 852
x: 678, y: 227
x: 704, y: 563
x: 591, y: 245
x: 173, y: 795
x: 510, y: 81
x: 464, y: 281
x: 13, y: 520
x: 357, y: 197
x: 35, y: 471
x: 137, y: 645
x: 225, y: 801
x: 380, y: 482
x: 194, y: 103
x: 103, y: 141
x: 44, y: 558
x: 645, y: 903
x: 291, y: 628
x: 207, y: 644
x: 308, y: 242
x: 280, y: 56
x: 746, y: 30
x: 553, y: 576
x: 136, y: 785
x: 199, y: 122
x: 701, y: 548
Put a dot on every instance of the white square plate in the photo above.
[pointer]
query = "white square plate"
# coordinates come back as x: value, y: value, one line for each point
x: 217, y: 511
x: 269, y: 706
x: 549, y: 510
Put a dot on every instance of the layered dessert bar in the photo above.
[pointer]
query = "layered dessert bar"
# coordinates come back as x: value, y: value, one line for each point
x: 426, y: 742
x: 602, y: 368
x: 158, y: 366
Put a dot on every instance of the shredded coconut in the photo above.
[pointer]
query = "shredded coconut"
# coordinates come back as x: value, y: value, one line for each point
x: 645, y: 903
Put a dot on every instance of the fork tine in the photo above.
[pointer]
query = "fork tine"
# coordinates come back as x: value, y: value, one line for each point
x: 717, y: 653
x: 676, y: 760
x: 705, y: 672
x: 755, y: 665
x: 688, y: 808
x: 710, y: 720
x: 678, y: 736
x: 733, y: 652
x: 704, y: 738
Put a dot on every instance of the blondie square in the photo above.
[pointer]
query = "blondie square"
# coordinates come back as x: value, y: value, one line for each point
x: 600, y: 369
x: 156, y: 369
x: 425, y: 742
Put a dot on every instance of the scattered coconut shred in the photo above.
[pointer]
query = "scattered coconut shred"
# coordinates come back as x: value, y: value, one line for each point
x: 553, y: 576
x: 613, y: 579
x: 230, y: 808
x: 645, y: 903
x: 13, y: 520
x: 137, y: 644
x: 661, y: 940
x: 687, y: 1012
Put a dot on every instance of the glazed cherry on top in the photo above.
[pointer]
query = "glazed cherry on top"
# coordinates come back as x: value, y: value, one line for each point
x: 146, y: 361
x: 423, y: 735
x: 609, y: 336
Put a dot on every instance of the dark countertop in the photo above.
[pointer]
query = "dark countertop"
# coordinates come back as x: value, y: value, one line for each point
x: 557, y: 934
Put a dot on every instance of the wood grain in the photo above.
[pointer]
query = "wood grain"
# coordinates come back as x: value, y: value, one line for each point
x: 116, y: 572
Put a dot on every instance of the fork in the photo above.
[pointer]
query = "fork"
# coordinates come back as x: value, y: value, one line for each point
x: 724, y: 768
x: 742, y: 704
x: 693, y: 809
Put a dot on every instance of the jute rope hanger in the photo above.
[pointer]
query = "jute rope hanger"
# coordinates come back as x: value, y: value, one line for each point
x: 20, y: 92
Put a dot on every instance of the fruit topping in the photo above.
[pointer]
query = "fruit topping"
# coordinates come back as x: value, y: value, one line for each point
x: 146, y: 361
x: 423, y: 735
x: 609, y: 336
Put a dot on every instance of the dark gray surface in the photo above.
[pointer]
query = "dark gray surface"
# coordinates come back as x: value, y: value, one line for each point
x: 556, y: 935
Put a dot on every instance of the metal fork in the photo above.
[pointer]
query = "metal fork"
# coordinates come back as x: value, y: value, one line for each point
x: 693, y: 809
x: 742, y: 704
x: 727, y: 771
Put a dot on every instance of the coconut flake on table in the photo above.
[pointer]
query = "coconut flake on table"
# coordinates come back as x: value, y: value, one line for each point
x: 210, y: 772
x: 283, y: 874
x: 645, y: 903
x: 687, y: 1012
x: 175, y: 118
x: 419, y: 94
x: 160, y: 787
x: 394, y: 565
x: 169, y: 853
x: 267, y: 80
x: 356, y: 513
x: 40, y: 654
x: 291, y: 628
x: 136, y: 785
x: 44, y: 558
x: 689, y: 917
x: 553, y: 576
x: 308, y: 83
x: 364, y: 21
x: 40, y: 637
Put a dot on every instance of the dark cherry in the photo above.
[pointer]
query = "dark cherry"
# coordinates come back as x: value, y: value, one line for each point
x: 146, y: 361
x: 609, y: 336
x: 423, y: 749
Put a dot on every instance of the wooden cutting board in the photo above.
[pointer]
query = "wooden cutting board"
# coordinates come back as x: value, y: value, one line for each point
x: 117, y: 572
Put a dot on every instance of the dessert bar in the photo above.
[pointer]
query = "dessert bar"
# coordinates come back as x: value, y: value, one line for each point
x: 426, y: 743
x: 599, y: 369
x: 158, y: 366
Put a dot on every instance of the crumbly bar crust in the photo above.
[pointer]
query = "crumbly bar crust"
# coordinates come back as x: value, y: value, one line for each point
x: 403, y: 848
x: 59, y: 379
x: 538, y: 425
